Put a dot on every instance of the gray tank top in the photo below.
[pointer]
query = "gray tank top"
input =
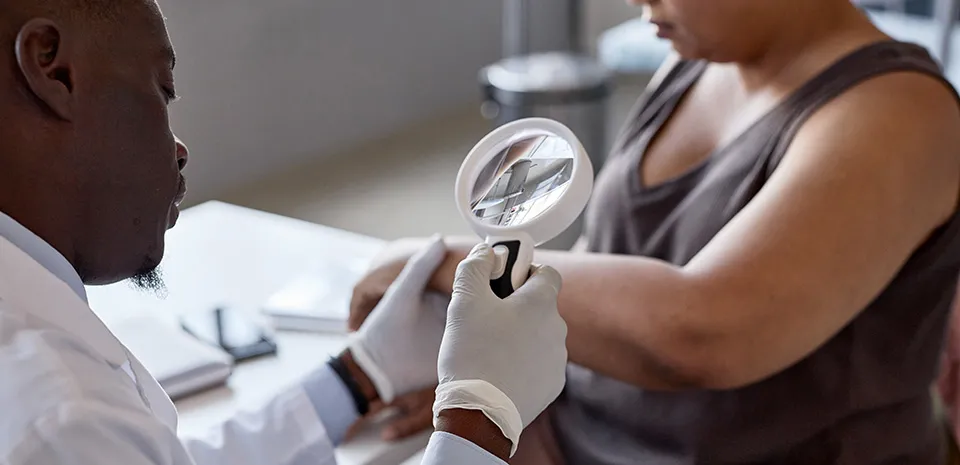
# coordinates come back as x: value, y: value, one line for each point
x: 863, y: 398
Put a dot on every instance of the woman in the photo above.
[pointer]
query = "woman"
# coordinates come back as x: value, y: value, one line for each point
x: 773, y: 248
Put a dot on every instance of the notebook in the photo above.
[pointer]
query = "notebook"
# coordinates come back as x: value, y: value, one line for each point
x: 317, y: 300
x: 180, y: 363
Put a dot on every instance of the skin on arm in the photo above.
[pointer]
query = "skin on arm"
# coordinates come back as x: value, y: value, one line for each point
x: 793, y: 267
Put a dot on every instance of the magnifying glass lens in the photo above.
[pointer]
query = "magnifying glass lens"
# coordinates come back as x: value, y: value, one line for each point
x: 523, y: 185
x: 523, y: 181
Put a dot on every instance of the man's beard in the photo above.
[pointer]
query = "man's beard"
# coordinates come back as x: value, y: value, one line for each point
x: 150, y: 279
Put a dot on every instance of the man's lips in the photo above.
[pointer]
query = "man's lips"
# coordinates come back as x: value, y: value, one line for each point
x: 181, y: 192
x: 175, y: 210
x: 173, y: 217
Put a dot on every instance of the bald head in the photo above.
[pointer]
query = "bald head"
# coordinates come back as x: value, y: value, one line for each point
x: 91, y: 21
x: 98, y: 9
x: 90, y: 13
x: 89, y: 161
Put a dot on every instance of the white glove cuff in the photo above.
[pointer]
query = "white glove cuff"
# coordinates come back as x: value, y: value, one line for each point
x: 474, y: 394
x: 379, y: 379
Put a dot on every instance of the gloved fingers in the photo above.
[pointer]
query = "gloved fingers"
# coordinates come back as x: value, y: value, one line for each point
x: 418, y: 271
x: 544, y: 283
x: 474, y: 272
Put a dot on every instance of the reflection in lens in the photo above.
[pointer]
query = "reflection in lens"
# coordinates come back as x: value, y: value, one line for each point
x: 523, y: 180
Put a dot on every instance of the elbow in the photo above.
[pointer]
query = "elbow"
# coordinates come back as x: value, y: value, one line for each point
x: 698, y: 338
x: 697, y: 355
x: 686, y: 362
x: 710, y: 366
x: 714, y: 343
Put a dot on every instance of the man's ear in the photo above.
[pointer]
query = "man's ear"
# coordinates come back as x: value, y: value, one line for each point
x: 42, y: 59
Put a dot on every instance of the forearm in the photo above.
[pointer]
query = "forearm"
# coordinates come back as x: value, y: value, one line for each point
x: 473, y: 426
x: 624, y: 326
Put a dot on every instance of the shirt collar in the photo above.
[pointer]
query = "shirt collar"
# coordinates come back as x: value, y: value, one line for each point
x: 42, y: 252
x: 26, y: 286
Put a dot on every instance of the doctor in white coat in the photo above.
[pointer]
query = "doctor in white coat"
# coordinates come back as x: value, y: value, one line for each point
x: 90, y: 180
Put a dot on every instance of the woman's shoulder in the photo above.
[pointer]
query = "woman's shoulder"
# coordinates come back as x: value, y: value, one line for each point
x: 893, y: 87
x: 899, y: 77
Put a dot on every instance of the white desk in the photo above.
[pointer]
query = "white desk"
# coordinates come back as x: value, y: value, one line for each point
x: 220, y: 254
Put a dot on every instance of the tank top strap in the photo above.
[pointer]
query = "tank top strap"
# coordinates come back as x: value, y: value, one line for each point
x: 865, y: 63
x: 659, y: 100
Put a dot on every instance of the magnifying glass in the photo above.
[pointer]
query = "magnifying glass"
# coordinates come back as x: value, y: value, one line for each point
x: 522, y: 185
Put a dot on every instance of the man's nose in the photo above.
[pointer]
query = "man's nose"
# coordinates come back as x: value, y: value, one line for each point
x: 182, y: 153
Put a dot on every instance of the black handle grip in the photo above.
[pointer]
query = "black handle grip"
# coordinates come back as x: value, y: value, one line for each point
x: 503, y: 286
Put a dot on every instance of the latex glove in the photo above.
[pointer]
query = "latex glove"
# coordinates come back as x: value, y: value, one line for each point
x: 504, y: 357
x: 397, y: 345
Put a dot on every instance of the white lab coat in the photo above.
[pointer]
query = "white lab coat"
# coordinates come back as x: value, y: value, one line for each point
x: 71, y: 393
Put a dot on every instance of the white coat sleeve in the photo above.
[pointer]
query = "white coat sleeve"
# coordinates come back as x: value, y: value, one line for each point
x: 95, y: 433
x: 322, y: 397
x: 300, y: 426
x: 447, y: 449
x: 284, y: 431
x: 287, y: 431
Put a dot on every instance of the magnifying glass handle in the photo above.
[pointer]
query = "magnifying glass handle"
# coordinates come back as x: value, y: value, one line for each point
x: 513, y: 260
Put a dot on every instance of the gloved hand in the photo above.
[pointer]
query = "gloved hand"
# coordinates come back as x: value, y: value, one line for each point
x: 504, y: 357
x: 397, y: 345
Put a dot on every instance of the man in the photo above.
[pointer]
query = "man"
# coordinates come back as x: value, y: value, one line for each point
x: 90, y: 180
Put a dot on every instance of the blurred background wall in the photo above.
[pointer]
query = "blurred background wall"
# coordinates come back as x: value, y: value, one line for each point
x: 601, y: 15
x: 274, y: 87
x: 919, y: 7
x: 269, y: 85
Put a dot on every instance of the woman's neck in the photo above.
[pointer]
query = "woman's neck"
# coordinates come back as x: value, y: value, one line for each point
x: 813, y: 37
